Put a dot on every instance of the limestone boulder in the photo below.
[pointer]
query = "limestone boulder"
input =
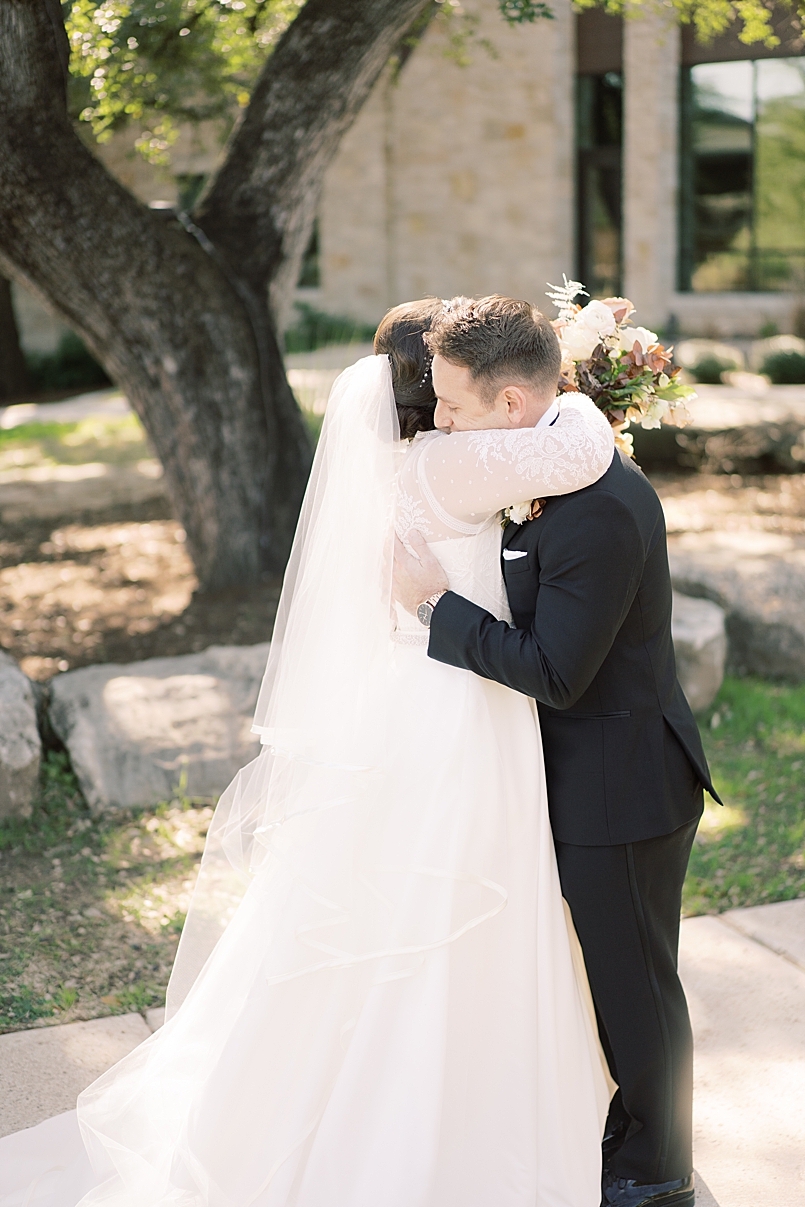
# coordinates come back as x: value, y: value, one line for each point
x: 20, y: 745
x: 136, y: 733
x: 744, y: 427
x: 763, y: 348
x: 700, y: 641
x: 758, y: 578
x: 689, y: 352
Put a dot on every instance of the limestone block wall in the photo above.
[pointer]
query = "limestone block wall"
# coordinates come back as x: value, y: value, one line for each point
x: 719, y: 315
x: 456, y: 179
x: 356, y: 244
x: 651, y: 49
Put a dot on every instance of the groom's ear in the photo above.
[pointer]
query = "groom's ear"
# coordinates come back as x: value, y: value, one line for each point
x: 516, y: 404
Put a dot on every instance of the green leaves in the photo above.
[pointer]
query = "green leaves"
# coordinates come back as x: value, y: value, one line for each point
x: 160, y: 63
x: 521, y: 12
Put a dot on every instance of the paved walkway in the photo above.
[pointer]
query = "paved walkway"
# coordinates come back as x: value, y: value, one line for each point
x: 103, y: 404
x: 744, y: 973
x: 311, y: 375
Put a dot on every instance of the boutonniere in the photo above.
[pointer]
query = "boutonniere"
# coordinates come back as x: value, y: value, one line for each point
x: 519, y: 513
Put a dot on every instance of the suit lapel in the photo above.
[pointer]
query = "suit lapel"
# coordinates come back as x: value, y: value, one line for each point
x: 509, y: 533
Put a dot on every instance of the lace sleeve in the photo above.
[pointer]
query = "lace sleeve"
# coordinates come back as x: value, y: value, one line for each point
x: 471, y: 475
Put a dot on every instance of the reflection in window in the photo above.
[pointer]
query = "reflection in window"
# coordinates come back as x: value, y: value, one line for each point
x: 743, y: 176
x: 599, y: 115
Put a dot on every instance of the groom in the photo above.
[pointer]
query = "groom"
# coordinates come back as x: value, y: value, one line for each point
x: 590, y: 595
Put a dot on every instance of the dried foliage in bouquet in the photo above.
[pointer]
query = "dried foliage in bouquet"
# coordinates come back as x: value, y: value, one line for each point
x: 624, y: 369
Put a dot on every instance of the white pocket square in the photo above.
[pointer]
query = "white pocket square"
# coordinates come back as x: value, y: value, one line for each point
x: 509, y: 555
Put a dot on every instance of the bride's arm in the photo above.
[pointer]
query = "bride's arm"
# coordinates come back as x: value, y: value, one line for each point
x: 471, y: 475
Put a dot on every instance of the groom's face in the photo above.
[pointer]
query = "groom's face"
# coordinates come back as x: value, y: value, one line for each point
x: 459, y: 407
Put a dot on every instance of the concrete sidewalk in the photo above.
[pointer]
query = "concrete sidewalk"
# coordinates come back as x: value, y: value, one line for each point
x: 744, y: 973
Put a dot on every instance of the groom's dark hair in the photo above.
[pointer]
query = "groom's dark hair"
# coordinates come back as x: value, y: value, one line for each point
x: 497, y: 339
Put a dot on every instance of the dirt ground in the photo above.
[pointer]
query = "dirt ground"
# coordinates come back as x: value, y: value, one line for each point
x: 118, y: 586
x: 115, y: 587
x: 93, y: 566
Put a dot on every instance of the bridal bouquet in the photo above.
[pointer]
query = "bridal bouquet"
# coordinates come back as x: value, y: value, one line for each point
x: 624, y: 369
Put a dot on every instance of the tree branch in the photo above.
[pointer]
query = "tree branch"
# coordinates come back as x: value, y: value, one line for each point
x: 157, y: 311
x: 259, y: 209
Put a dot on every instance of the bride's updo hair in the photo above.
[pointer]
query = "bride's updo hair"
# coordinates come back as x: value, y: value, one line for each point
x: 400, y: 337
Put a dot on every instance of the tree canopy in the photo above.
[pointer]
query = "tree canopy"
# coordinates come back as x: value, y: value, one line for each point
x: 160, y: 63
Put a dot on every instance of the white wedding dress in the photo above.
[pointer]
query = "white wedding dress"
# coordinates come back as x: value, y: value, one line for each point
x: 379, y: 1000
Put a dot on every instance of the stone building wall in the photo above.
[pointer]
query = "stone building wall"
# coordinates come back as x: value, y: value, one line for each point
x: 460, y: 179
x: 456, y: 178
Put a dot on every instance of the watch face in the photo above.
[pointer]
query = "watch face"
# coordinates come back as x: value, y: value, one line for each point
x: 424, y: 613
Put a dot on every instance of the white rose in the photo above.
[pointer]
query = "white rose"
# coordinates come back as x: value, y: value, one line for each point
x: 596, y: 317
x: 578, y: 343
x: 629, y: 336
x: 518, y: 513
x: 581, y: 336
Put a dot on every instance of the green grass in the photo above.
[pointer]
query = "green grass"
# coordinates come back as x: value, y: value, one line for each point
x: 91, y: 908
x: 313, y: 423
x: 752, y: 851
x: 117, y: 439
x: 60, y: 815
x: 316, y: 329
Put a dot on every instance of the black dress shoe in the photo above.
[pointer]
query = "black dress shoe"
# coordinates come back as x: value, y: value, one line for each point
x: 624, y: 1192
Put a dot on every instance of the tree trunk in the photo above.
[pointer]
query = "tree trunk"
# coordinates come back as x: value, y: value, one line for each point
x: 179, y: 314
x: 14, y: 379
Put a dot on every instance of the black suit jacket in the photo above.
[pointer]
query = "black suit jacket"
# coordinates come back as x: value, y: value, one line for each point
x: 591, y: 603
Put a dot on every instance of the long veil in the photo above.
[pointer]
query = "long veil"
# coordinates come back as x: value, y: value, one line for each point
x: 321, y: 711
x: 325, y: 1030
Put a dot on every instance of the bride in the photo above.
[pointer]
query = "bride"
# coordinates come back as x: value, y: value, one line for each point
x: 378, y: 999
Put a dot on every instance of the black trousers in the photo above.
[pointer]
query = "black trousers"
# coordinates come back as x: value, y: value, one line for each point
x: 625, y: 902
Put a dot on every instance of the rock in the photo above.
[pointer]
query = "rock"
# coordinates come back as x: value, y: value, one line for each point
x: 700, y: 642
x: 762, y: 348
x: 735, y: 429
x: 688, y: 353
x: 136, y: 733
x: 758, y: 578
x: 155, y: 1017
x: 20, y: 745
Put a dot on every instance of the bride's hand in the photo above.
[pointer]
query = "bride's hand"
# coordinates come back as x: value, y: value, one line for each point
x: 417, y: 576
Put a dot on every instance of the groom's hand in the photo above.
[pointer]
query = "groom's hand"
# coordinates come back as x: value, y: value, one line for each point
x: 417, y: 576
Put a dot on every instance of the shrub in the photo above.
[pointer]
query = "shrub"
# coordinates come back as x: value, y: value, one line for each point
x: 70, y: 367
x: 315, y: 329
x: 785, y: 368
x: 708, y: 370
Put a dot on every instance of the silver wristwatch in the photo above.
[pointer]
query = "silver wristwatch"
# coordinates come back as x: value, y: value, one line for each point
x: 424, y: 612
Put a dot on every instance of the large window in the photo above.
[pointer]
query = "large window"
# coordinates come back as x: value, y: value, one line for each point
x: 743, y: 176
x: 599, y: 136
x: 599, y: 115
